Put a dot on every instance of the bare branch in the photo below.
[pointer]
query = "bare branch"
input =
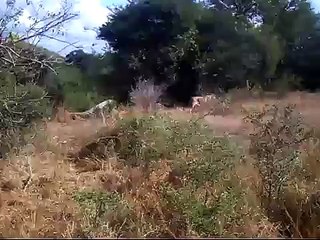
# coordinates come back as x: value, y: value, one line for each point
x: 68, y: 44
x: 22, y: 66
x: 51, y: 25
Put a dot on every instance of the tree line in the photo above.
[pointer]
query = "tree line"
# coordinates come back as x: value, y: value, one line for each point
x: 215, y: 44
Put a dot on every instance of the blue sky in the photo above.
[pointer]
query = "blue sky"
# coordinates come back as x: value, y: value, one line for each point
x: 82, y: 30
x: 111, y: 2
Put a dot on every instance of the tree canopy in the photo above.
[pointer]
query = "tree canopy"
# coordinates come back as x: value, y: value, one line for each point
x: 214, y: 43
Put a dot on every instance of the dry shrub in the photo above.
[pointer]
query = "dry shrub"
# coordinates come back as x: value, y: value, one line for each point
x: 163, y: 204
x: 35, y: 201
x: 168, y: 179
x: 302, y: 196
x: 146, y: 95
x: 275, y: 141
x: 36, y: 193
x: 289, y: 178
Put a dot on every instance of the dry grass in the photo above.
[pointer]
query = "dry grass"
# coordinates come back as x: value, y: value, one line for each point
x: 151, y: 188
x: 36, y: 198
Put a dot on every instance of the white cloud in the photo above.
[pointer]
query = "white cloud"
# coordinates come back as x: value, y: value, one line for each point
x: 92, y: 14
x: 25, y: 18
x: 316, y: 5
x: 80, y: 30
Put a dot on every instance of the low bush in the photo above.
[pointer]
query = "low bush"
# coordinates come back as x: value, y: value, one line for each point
x: 285, y: 153
x: 176, y: 181
x: 20, y: 107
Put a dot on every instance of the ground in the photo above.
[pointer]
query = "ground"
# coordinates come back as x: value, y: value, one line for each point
x: 40, y: 183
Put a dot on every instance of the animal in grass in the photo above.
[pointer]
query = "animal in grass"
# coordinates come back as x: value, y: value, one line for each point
x: 99, y: 110
x: 196, y: 101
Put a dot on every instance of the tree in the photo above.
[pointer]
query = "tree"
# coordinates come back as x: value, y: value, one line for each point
x: 215, y: 43
x: 22, y: 66
x: 152, y: 28
x: 304, y: 59
x: 224, y: 44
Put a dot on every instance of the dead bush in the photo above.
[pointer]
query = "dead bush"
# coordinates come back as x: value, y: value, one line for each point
x: 146, y: 95
x: 275, y: 146
x: 278, y: 133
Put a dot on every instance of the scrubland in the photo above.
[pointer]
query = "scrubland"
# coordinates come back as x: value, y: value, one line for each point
x: 251, y: 172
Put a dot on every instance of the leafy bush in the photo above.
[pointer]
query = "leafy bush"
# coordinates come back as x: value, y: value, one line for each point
x: 78, y: 88
x: 99, y: 208
x: 20, y: 106
x: 22, y: 66
x: 189, y: 144
x: 211, y: 211
x: 81, y: 101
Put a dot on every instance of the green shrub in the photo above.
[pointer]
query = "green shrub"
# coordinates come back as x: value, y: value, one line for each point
x: 78, y: 88
x: 210, y: 213
x: 190, y: 145
x: 20, y: 107
x: 279, y: 131
x: 207, y: 200
x: 102, y: 210
x: 81, y: 101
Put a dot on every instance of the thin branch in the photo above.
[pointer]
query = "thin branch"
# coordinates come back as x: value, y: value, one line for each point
x: 62, y: 41
x: 47, y: 28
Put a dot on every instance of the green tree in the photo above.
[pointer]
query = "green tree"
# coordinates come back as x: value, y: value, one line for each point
x: 304, y: 57
x: 218, y: 43
x: 153, y: 29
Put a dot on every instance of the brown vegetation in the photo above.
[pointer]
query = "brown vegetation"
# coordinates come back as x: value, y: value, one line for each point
x: 170, y: 177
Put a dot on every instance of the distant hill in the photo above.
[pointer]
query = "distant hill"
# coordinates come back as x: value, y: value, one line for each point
x: 40, y: 49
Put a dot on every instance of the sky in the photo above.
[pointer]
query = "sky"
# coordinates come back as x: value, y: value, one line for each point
x: 315, y: 4
x: 80, y: 31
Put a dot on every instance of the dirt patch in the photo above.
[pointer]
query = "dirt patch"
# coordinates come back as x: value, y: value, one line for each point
x: 227, y: 124
x: 72, y: 135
